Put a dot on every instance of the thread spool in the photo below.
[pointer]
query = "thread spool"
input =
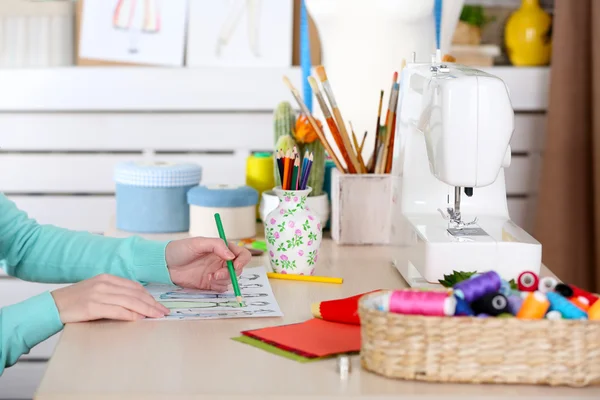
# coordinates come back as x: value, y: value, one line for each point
x: 564, y: 290
x: 505, y: 288
x: 492, y: 304
x: 463, y: 308
x: 567, y: 309
x: 259, y: 173
x: 515, y: 302
x: 554, y: 315
x: 475, y: 287
x: 483, y: 315
x: 547, y: 284
x: 420, y: 303
x: 594, y: 312
x: 528, y: 281
x: 578, y: 292
x: 580, y: 302
x: 534, y: 306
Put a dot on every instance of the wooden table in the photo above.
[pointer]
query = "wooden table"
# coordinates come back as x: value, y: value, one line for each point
x: 198, y: 360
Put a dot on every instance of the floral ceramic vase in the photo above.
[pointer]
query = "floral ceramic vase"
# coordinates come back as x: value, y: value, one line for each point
x: 293, y: 234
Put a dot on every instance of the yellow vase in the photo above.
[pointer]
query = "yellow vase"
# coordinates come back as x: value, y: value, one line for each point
x: 527, y: 35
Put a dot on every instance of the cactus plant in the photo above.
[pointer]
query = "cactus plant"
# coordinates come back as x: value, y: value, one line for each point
x: 284, y: 122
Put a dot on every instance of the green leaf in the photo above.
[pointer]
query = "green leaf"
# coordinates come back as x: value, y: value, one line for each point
x: 455, y: 277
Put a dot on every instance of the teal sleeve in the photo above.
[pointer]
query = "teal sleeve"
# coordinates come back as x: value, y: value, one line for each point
x: 44, y: 253
x: 26, y: 324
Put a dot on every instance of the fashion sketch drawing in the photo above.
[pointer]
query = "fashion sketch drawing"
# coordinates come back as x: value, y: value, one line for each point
x: 201, y: 304
x: 237, y: 9
x: 137, y: 17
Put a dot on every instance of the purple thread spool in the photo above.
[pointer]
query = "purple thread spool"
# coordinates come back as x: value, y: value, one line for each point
x: 482, y: 316
x: 474, y: 288
x: 514, y: 303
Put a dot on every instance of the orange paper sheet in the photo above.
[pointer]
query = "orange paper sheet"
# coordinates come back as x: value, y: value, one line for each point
x: 313, y: 338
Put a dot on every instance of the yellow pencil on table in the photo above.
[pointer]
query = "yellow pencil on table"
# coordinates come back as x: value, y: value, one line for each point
x: 305, y: 278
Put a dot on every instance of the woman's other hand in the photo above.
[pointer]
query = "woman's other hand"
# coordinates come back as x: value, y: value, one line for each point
x: 106, y: 297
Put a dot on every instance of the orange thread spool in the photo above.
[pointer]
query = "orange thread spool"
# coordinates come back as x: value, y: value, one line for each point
x: 594, y: 312
x: 534, y: 306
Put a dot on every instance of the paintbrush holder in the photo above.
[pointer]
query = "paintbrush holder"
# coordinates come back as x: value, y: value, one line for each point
x: 293, y: 234
x: 360, y: 208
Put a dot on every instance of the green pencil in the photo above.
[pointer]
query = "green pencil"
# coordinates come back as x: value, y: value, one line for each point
x: 295, y: 174
x: 234, y: 281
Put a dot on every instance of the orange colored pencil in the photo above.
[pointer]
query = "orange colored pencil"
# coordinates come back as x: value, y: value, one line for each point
x: 286, y: 171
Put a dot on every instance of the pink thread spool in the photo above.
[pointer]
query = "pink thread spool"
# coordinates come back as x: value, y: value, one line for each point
x: 413, y: 302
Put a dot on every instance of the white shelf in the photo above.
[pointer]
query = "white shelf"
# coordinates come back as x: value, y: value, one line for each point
x: 133, y: 89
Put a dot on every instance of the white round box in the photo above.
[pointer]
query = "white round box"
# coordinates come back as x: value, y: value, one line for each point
x: 235, y: 204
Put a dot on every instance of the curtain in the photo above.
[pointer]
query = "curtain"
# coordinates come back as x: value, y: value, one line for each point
x: 568, y: 210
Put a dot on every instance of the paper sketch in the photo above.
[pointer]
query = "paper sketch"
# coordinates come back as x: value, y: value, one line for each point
x: 137, y: 16
x: 232, y: 23
x: 200, y: 304
x: 134, y: 31
x: 240, y: 33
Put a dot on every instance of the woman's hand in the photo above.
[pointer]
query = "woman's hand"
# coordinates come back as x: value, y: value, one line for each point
x: 106, y: 296
x: 201, y: 263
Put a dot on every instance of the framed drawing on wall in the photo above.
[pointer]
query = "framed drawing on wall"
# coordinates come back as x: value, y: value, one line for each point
x: 143, y: 32
x: 240, y: 33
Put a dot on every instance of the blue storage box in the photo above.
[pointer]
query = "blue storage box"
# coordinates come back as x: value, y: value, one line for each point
x: 151, y: 197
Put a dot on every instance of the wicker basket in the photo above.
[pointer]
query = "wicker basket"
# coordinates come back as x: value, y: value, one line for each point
x: 479, y: 350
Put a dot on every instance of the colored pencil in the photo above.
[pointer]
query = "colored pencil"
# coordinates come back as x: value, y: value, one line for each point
x: 320, y: 70
x: 280, y: 166
x: 303, y: 173
x: 331, y: 124
x: 308, y: 168
x: 305, y: 278
x: 298, y: 172
x: 313, y: 123
x: 373, y: 160
x: 355, y: 141
x: 232, y: 274
x: 295, y: 173
x: 286, y: 171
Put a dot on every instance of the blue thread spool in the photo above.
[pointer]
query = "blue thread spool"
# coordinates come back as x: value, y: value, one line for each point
x: 567, y: 309
x: 515, y: 301
x: 505, y: 288
x: 475, y: 287
x: 151, y: 197
x: 463, y: 308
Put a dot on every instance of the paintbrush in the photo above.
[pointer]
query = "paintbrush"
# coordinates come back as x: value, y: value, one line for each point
x: 373, y: 160
x: 320, y: 70
x: 386, y: 157
x: 331, y: 123
x: 355, y: 141
x: 362, y: 143
x: 313, y: 123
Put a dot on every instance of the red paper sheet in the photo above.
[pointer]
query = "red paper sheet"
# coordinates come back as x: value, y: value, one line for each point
x: 313, y: 338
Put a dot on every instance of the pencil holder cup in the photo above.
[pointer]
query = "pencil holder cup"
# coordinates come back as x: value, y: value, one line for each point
x: 293, y: 234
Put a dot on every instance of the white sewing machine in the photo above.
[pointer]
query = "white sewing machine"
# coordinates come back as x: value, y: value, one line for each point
x: 449, y: 209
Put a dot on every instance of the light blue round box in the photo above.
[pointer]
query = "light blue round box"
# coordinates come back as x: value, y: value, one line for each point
x: 151, y: 197
x: 236, y: 205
